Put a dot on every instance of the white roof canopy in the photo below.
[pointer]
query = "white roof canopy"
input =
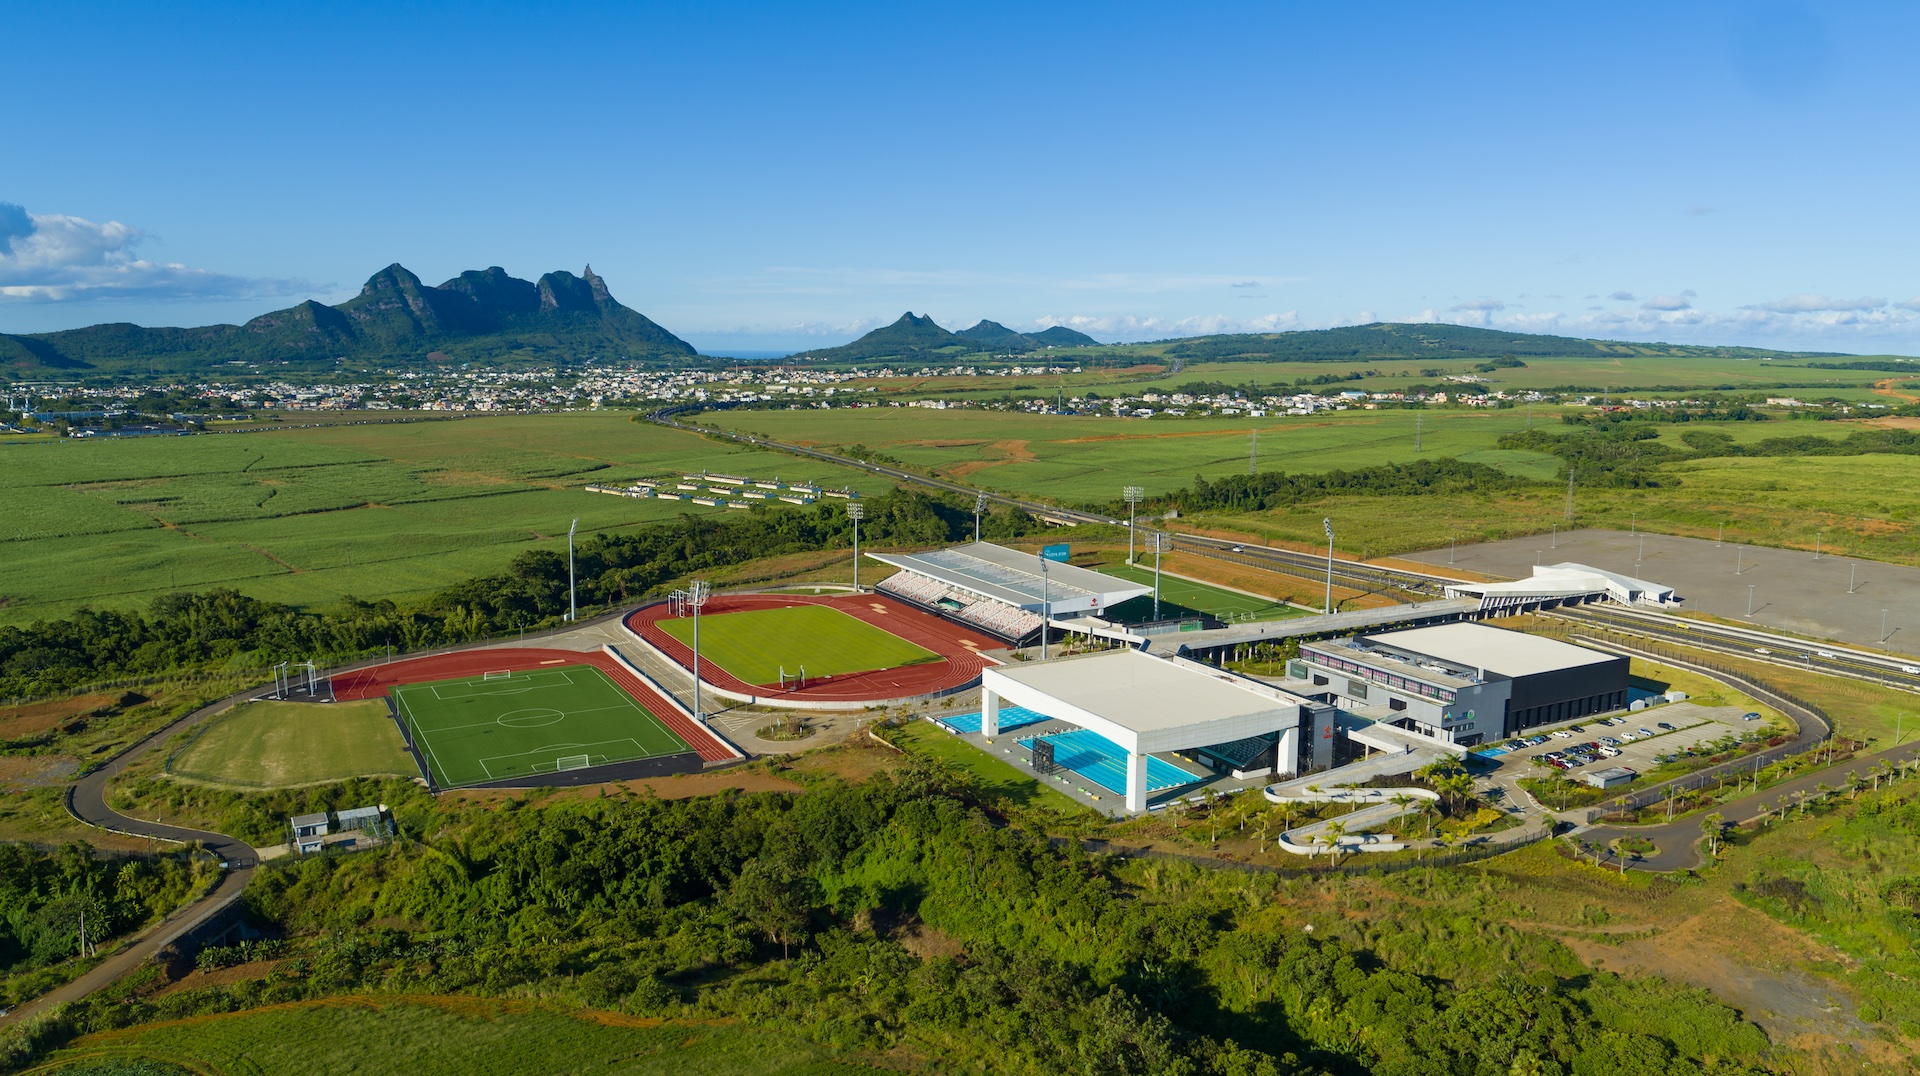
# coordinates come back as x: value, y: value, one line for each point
x: 1013, y: 577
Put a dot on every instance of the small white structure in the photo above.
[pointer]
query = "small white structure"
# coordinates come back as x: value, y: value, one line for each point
x: 1146, y: 705
x: 1607, y: 778
x: 1567, y: 583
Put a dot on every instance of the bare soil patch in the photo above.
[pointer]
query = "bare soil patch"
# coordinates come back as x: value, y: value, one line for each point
x: 36, y: 771
x: 239, y: 973
x: 18, y: 721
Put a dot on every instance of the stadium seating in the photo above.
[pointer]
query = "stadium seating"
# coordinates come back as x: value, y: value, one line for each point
x: 995, y: 618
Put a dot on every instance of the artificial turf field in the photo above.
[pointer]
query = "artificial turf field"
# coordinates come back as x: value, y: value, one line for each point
x: 478, y: 729
x: 1228, y: 605
x: 283, y: 744
x: 756, y: 646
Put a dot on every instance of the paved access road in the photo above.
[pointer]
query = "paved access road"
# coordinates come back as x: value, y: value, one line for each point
x: 1678, y: 842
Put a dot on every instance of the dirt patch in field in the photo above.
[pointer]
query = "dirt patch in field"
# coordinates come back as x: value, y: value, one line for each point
x: 19, y: 772
x: 1886, y: 388
x: 19, y: 721
x: 1008, y: 452
x: 1748, y: 960
x: 239, y: 973
x: 466, y: 478
x: 946, y: 443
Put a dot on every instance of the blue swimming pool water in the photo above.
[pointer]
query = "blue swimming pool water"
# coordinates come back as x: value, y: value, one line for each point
x: 1011, y: 717
x: 1102, y: 761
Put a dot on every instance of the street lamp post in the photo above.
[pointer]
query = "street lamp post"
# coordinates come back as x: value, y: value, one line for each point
x: 1328, y: 524
x: 856, y: 512
x: 1750, y: 587
x: 1133, y: 496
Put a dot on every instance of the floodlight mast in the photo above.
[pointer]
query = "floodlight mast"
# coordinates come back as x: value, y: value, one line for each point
x: 979, y: 506
x: 1133, y: 496
x: 1158, y: 542
x: 856, y: 512
x: 1046, y: 606
x: 573, y: 609
x: 1328, y: 523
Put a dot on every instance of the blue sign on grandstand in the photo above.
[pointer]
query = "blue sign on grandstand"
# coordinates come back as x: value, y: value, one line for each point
x: 1057, y: 553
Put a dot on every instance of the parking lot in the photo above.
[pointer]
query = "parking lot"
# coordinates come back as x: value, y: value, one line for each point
x: 1693, y: 727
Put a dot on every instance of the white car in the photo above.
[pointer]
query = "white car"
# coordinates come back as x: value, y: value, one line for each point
x: 1913, y: 670
x: 1823, y: 653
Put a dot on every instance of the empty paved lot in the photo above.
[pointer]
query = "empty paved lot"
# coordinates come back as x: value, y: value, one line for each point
x: 1792, y: 590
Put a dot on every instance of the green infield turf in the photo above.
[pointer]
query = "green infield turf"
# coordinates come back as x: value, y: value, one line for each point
x: 1229, y: 605
x: 280, y: 744
x: 757, y: 645
x: 486, y: 728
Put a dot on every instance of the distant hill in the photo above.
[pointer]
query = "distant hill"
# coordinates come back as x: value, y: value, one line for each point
x: 1391, y: 340
x: 917, y: 337
x: 478, y: 316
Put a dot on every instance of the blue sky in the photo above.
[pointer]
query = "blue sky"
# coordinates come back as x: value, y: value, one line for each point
x: 759, y: 176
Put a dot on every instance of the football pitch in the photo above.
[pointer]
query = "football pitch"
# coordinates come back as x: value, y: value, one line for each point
x: 522, y: 724
x: 1226, y: 604
x: 757, y: 645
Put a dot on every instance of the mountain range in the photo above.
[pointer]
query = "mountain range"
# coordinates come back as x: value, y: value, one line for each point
x: 916, y: 336
x: 480, y: 315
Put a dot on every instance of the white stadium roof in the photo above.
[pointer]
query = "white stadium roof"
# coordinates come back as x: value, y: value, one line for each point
x: 1569, y: 580
x: 1146, y: 703
x: 1010, y: 576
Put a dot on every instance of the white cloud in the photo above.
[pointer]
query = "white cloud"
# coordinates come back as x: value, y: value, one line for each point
x: 1619, y: 297
x: 1131, y: 327
x: 1682, y: 301
x: 1810, y: 303
x: 57, y: 258
x: 1487, y: 305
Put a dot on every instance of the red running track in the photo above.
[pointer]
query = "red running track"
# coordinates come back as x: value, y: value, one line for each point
x: 957, y: 645
x: 373, y: 683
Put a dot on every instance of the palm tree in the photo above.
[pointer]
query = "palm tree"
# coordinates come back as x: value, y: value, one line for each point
x: 1335, y: 830
x: 1711, y: 826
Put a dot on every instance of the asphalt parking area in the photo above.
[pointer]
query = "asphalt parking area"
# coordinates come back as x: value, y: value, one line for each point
x: 1694, y: 727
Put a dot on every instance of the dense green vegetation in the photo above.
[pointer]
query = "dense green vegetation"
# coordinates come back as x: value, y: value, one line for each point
x: 46, y: 896
x: 895, y: 916
x: 1387, y: 340
x: 395, y: 320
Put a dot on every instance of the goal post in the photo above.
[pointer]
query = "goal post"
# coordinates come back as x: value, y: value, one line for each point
x: 572, y: 762
x: 504, y: 674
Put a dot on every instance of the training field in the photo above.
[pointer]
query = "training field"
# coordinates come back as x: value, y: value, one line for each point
x: 499, y: 726
x: 1229, y: 605
x: 281, y: 744
x: 755, y: 645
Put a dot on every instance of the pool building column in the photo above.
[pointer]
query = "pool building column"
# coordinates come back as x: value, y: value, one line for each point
x: 989, y: 714
x: 1136, y: 781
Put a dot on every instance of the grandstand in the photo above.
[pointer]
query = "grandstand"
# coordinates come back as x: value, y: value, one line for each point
x: 1000, y: 591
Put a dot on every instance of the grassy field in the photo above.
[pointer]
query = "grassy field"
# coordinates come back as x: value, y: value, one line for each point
x: 424, y: 1036
x: 757, y: 645
x: 307, y: 516
x: 1080, y: 458
x: 481, y: 729
x: 1215, y: 601
x: 280, y: 744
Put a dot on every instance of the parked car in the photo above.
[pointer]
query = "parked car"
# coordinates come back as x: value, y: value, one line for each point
x: 1609, y: 752
x: 1562, y: 734
x: 1536, y: 741
x: 1609, y: 741
x: 1645, y: 731
x: 1628, y: 737
x: 1575, y: 728
x: 1750, y: 716
x: 1666, y: 726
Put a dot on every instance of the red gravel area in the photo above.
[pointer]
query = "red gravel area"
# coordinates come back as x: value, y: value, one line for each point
x: 373, y: 682
x: 957, y: 645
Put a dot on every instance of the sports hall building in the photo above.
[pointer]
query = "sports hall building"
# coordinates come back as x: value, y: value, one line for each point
x: 1463, y: 683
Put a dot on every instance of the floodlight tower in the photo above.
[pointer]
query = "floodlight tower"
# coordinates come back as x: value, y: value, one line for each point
x: 1328, y: 524
x: 979, y: 506
x: 693, y: 596
x: 573, y: 609
x: 1158, y: 542
x: 1133, y: 496
x: 856, y: 512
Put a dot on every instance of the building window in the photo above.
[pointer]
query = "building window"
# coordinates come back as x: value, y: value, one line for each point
x: 1356, y: 689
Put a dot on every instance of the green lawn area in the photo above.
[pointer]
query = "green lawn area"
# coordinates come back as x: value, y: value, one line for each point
x: 1215, y: 601
x: 757, y: 644
x: 371, y: 1036
x: 278, y: 744
x: 533, y: 722
x: 994, y: 777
